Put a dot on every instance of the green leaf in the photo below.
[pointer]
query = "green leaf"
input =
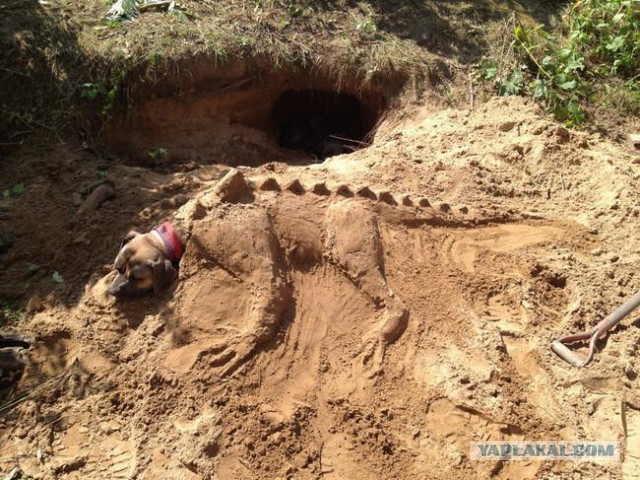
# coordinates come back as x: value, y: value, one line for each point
x: 512, y: 85
x: 565, y: 53
x: 560, y: 112
x: 616, y: 44
x: 18, y: 189
x: 520, y: 34
x: 57, y: 278
x: 538, y: 89
x: 576, y: 115
x: 570, y: 85
x: 575, y: 64
x: 33, y: 267
x: 157, y: 153
x: 123, y: 10
x: 490, y: 72
x: 91, y: 90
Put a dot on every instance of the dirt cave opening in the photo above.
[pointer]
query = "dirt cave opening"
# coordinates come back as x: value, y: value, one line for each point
x: 322, y: 123
x: 239, y: 121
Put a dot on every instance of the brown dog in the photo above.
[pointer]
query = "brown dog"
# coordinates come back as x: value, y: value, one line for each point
x: 146, y: 262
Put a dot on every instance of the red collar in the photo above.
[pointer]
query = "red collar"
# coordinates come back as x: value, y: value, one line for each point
x: 171, y: 241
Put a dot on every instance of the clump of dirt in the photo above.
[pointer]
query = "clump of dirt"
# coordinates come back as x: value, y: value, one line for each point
x: 366, y: 317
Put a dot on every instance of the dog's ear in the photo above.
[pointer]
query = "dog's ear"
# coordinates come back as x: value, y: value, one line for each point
x: 163, y: 275
x: 128, y: 237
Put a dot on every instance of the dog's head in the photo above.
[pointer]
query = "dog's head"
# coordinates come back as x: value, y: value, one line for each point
x: 146, y: 262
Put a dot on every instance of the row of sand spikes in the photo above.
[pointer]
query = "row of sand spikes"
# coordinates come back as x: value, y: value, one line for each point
x: 234, y: 186
x: 344, y: 190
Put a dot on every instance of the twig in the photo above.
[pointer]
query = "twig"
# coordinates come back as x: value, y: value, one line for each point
x: 15, y: 474
x: 22, y: 132
x: 244, y: 464
x: 30, y: 393
x: 16, y: 401
x: 237, y: 84
x: 32, y: 122
x: 15, y: 72
x: 526, y: 49
x: 337, y: 137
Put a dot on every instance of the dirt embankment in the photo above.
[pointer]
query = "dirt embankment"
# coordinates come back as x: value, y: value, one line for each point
x: 325, y: 334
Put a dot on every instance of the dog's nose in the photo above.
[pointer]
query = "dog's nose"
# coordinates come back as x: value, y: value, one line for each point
x: 120, y: 291
x: 118, y: 286
x: 125, y: 292
x: 115, y: 291
x: 123, y: 289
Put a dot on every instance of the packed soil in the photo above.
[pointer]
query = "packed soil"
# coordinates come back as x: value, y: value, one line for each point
x: 335, y: 332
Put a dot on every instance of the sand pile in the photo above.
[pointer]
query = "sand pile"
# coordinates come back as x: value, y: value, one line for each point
x: 362, y: 318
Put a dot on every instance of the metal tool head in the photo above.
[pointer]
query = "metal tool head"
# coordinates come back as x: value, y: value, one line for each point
x: 566, y: 354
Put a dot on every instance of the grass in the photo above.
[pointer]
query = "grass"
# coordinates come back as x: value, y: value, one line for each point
x: 63, y: 66
x: 60, y: 57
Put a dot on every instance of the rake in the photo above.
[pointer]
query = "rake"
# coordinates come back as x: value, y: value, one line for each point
x: 560, y: 346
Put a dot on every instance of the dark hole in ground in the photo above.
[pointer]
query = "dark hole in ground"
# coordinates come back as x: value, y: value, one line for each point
x: 322, y: 123
x: 12, y: 363
x: 247, y: 120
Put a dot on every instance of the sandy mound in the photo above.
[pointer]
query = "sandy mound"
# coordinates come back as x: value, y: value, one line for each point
x: 350, y: 333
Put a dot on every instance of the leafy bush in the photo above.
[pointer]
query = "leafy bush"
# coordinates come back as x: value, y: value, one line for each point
x: 607, y: 33
x: 565, y: 70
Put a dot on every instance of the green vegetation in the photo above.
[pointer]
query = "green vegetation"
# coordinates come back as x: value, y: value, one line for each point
x: 15, y: 191
x: 592, y: 60
x: 10, y: 314
x: 105, y: 95
x: 63, y: 64
x: 158, y: 153
x: 14, y: 283
x: 65, y: 67
x: 57, y: 278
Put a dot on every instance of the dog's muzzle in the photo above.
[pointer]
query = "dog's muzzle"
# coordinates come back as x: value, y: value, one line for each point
x: 123, y: 289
